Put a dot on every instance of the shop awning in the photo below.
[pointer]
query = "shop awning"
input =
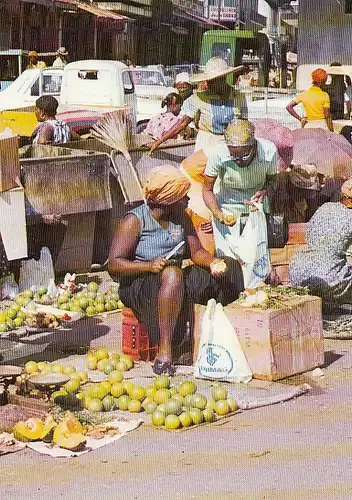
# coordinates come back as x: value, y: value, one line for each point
x: 96, y: 11
x: 189, y: 16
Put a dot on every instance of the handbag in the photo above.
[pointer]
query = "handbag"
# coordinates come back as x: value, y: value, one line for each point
x: 277, y: 228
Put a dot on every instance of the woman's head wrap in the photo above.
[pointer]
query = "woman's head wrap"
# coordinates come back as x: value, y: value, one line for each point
x: 346, y: 189
x: 319, y: 76
x: 305, y: 177
x: 239, y: 133
x: 166, y: 185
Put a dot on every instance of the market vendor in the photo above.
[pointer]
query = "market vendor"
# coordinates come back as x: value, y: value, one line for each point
x: 213, y: 108
x: 237, y: 174
x: 50, y: 130
x: 159, y: 290
x: 323, y: 266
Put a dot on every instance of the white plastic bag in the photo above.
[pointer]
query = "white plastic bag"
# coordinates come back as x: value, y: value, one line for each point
x: 220, y: 355
x: 37, y: 272
x: 252, y: 248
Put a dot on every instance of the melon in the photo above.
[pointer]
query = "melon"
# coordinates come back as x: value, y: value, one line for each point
x: 74, y: 441
x: 31, y: 430
x: 48, y: 429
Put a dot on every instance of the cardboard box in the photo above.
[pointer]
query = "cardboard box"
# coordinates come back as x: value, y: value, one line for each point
x: 297, y: 233
x: 13, y: 223
x: 9, y: 163
x: 281, y: 342
x: 282, y: 256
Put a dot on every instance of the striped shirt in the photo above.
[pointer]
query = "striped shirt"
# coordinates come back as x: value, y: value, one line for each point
x: 214, y: 113
x: 61, y: 132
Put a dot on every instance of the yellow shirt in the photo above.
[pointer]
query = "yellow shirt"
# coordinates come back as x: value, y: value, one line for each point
x: 314, y: 100
x: 39, y: 65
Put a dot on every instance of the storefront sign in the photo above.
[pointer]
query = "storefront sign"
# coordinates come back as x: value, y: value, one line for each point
x: 226, y: 13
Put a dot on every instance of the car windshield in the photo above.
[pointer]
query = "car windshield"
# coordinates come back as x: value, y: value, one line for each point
x: 147, y: 77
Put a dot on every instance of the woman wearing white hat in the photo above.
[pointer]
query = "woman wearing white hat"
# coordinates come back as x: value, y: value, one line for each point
x: 61, y: 59
x: 216, y: 106
x: 183, y: 85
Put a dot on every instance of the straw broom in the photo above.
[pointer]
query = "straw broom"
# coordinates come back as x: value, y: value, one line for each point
x: 115, y: 130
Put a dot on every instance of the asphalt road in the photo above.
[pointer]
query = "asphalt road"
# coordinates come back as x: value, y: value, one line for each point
x: 296, y: 450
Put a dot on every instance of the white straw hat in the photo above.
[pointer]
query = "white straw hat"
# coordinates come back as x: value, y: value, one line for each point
x: 214, y: 68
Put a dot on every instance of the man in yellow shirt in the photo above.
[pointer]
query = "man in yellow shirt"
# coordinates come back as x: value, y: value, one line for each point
x: 33, y: 61
x: 316, y: 104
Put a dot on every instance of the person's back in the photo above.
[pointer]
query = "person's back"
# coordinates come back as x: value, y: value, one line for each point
x: 336, y: 91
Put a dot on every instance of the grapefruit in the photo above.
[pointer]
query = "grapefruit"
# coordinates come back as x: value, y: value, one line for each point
x: 162, y: 382
x: 101, y: 353
x: 124, y: 402
x: 219, y: 392
x: 158, y: 418
x: 172, y: 422
x: 173, y: 407
x: 94, y: 405
x: 68, y: 369
x: 196, y: 416
x: 198, y: 401
x: 115, y: 376
x: 57, y: 368
x: 117, y: 389
x: 222, y: 407
x: 150, y: 407
x: 162, y: 395
x: 108, y: 403
x: 232, y: 404
x: 121, y: 366
x: 185, y: 419
x: 134, y: 406
x: 187, y: 387
x: 137, y: 392
x: 209, y: 415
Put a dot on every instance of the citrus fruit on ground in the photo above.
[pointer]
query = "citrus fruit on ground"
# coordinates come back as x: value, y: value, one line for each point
x: 187, y: 387
x: 162, y: 382
x: 117, y: 389
x: 108, y: 368
x: 18, y: 321
x: 173, y: 407
x: 100, y: 297
x: 196, y: 416
x: 162, y: 407
x: 108, y: 403
x: 75, y: 307
x: 211, y: 403
x: 28, y: 293
x: 92, y: 286
x: 107, y: 386
x: 187, y: 400
x: 172, y: 422
x: 120, y: 304
x: 30, y: 367
x: 198, y: 401
x: 162, y: 395
x: 158, y: 418
x: 115, y: 376
x: 150, y: 391
x: 42, y: 290
x: 121, y: 366
x: 21, y: 314
x: 219, y: 392
x: 114, y: 356
x: 127, y: 385
x: 90, y: 311
x: 83, y: 303
x: 99, y: 307
x: 68, y: 369
x: 209, y: 415
x: 83, y: 376
x: 91, y: 363
x: 102, y: 363
x: 150, y: 407
x: 72, y: 385
x: 137, y: 392
x: 20, y: 300
x: 232, y: 404
x: 97, y: 391
x: 124, y: 402
x: 128, y: 360
x: 3, y: 327
x: 101, y: 353
x: 185, y: 419
x: 95, y: 405
x: 108, y: 306
x: 222, y: 407
x: 179, y: 397
x: 16, y: 307
x: 134, y: 406
x: 11, y: 313
x: 42, y: 365
x: 173, y: 390
x: 57, y: 368
x: 146, y: 401
x: 10, y: 323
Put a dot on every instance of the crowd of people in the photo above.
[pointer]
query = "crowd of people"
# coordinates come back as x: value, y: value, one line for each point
x: 192, y: 212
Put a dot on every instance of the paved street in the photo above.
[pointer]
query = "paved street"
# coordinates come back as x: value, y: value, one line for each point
x: 300, y: 449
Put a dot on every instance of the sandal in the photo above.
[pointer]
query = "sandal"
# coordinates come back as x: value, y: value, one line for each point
x: 163, y: 368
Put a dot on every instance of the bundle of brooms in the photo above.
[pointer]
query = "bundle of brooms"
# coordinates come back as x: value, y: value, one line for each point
x: 115, y: 130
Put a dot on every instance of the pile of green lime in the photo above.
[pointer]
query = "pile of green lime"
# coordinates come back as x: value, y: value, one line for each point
x: 91, y: 301
x: 104, y: 361
x: 13, y: 317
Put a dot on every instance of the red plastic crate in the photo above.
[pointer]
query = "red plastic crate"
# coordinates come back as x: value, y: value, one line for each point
x: 135, y: 338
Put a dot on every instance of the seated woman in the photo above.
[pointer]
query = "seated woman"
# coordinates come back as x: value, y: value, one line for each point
x: 323, y: 266
x: 160, y: 124
x: 158, y: 290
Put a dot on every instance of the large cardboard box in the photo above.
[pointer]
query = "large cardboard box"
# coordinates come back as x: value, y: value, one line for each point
x: 13, y: 223
x: 280, y: 342
x: 9, y: 163
x: 282, y: 256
